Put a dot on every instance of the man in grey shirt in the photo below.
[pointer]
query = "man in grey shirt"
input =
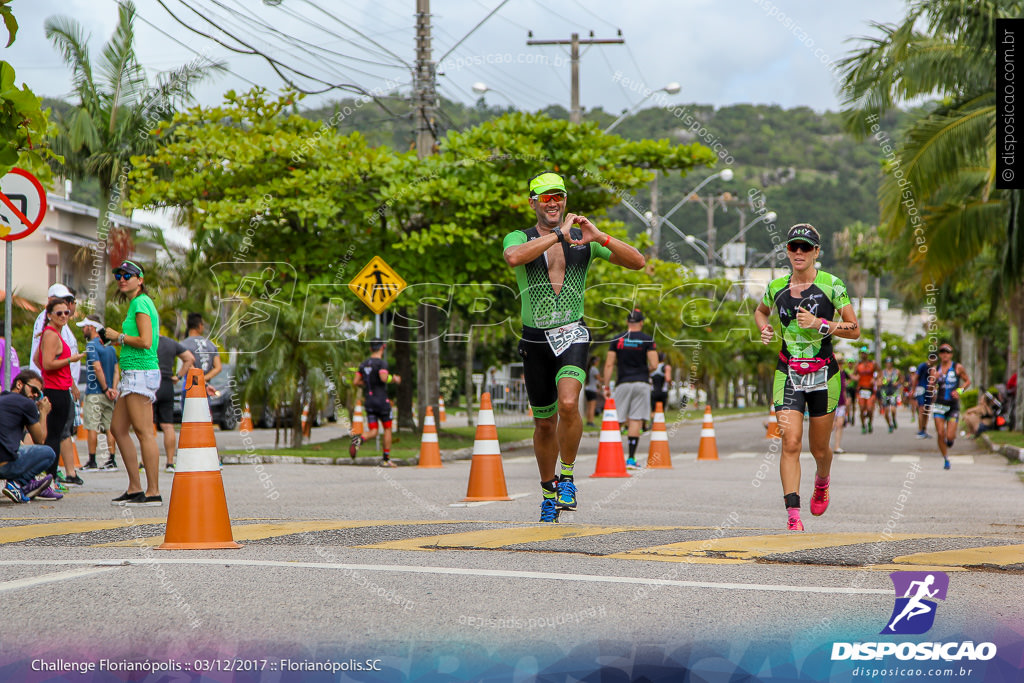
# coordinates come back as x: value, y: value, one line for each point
x: 206, y: 353
x: 167, y: 350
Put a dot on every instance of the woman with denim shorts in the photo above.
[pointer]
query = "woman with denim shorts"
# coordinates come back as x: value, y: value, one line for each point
x: 140, y: 379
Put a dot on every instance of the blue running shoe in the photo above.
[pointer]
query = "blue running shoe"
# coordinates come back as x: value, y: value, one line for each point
x: 946, y: 465
x: 549, y: 510
x: 566, y: 499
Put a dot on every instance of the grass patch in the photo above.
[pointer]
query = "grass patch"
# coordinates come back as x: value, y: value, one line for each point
x: 403, y: 446
x: 1008, y: 438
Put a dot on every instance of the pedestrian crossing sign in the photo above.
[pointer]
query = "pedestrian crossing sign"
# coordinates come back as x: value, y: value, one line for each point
x: 377, y: 284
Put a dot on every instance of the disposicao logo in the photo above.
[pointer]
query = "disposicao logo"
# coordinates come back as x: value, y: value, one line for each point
x: 912, y: 614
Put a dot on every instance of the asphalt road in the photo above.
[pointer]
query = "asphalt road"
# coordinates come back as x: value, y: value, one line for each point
x: 664, y: 572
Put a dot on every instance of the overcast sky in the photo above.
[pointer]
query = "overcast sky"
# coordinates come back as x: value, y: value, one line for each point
x: 720, y: 51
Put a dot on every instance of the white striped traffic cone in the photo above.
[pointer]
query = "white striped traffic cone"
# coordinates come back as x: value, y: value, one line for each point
x: 443, y: 417
x: 486, y: 474
x: 658, y: 456
x: 197, y: 518
x: 773, y: 431
x: 357, y: 420
x: 430, y: 450
x: 611, y: 461
x: 708, y: 449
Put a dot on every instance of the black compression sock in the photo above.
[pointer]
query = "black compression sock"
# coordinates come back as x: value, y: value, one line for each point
x: 633, y: 441
x: 792, y: 500
x: 549, y: 488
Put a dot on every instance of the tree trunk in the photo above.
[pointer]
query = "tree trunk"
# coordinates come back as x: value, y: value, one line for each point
x: 470, y: 391
x: 297, y: 419
x: 99, y: 271
x: 1017, y: 354
x: 429, y: 354
x: 878, y: 322
x: 403, y: 363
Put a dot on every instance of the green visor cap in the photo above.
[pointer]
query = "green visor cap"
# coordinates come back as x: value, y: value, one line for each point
x: 546, y: 182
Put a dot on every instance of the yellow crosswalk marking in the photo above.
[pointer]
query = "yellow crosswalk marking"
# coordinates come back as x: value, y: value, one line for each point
x: 15, y: 534
x: 996, y: 555
x: 737, y: 549
x: 254, y: 532
x: 498, y: 538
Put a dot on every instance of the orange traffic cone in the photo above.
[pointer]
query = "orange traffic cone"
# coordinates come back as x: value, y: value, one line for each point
x: 708, y: 449
x: 611, y: 461
x: 357, y: 420
x: 658, y: 455
x: 197, y: 518
x: 773, y: 431
x: 74, y: 449
x: 440, y: 408
x: 486, y: 474
x: 430, y: 451
x: 246, y: 424
x: 307, y: 424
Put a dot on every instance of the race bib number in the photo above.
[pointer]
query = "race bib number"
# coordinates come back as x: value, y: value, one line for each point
x: 812, y: 381
x: 865, y: 393
x: 939, y: 410
x: 561, y: 338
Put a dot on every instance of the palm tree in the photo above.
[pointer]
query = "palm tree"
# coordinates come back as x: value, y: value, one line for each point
x: 117, y: 111
x: 938, y: 196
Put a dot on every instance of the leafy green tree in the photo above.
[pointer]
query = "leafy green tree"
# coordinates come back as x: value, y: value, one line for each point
x: 116, y: 111
x: 938, y: 196
x: 23, y: 122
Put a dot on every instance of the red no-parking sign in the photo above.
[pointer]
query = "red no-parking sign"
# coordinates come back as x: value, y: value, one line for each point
x: 22, y: 204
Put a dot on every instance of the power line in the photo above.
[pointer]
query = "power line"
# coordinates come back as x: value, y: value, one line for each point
x: 250, y: 25
x: 275, y: 64
x: 356, y: 31
x: 190, y: 48
x: 473, y: 30
x: 591, y: 13
x: 295, y: 40
x: 321, y: 27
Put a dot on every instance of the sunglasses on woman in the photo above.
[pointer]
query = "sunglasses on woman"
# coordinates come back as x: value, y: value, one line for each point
x: 794, y: 247
x: 123, y: 276
x: 62, y: 313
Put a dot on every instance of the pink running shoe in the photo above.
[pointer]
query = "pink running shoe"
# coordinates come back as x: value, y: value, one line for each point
x: 819, y: 499
x: 794, y: 520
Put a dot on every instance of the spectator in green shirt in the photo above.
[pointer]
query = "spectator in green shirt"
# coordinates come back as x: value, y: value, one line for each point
x: 140, y: 379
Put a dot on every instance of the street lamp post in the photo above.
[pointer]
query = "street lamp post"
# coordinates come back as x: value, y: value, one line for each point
x: 482, y: 88
x: 672, y: 88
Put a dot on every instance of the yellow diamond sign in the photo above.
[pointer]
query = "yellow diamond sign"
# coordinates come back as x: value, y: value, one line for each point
x: 377, y: 284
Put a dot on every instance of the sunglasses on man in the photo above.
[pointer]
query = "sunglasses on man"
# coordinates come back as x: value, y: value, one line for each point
x: 794, y: 247
x: 36, y: 391
x: 551, y: 197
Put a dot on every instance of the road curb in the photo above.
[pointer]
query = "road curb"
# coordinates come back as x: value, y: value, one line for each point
x: 1012, y: 453
x: 446, y: 456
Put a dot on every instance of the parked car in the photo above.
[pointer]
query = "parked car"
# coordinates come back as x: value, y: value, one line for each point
x: 222, y: 411
x: 267, y: 416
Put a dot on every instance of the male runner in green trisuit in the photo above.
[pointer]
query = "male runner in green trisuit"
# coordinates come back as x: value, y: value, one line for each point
x: 550, y: 261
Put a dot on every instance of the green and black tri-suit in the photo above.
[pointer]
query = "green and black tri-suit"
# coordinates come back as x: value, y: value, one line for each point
x: 545, y: 311
x: 824, y: 298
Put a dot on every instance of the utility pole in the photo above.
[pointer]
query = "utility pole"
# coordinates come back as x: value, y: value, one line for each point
x: 574, y: 42
x: 429, y: 350
x: 655, y: 218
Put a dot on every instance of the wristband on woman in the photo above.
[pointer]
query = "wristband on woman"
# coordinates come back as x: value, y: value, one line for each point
x: 120, y: 339
x: 608, y: 238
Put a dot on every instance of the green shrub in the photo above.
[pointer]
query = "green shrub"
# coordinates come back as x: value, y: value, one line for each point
x: 968, y: 399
